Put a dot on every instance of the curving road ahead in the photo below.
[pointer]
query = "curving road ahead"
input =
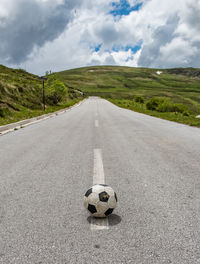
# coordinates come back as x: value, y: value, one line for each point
x: 153, y: 165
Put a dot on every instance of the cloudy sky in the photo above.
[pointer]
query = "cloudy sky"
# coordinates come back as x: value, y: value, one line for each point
x: 41, y: 35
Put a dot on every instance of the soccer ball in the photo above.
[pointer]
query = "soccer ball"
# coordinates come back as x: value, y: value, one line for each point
x: 100, y: 200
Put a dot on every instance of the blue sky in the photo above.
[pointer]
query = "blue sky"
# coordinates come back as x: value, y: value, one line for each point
x: 117, y: 48
x: 123, y: 8
x: 133, y: 48
x: 98, y: 47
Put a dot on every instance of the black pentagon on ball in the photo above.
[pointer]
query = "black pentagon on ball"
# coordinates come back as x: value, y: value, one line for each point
x: 109, y: 211
x: 88, y: 192
x: 92, y: 208
x: 116, y: 197
x: 103, y: 197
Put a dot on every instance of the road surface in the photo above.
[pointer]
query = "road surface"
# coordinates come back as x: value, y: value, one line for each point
x: 152, y: 164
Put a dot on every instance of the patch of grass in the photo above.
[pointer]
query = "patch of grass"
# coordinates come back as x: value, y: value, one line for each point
x: 25, y: 113
x: 180, y: 117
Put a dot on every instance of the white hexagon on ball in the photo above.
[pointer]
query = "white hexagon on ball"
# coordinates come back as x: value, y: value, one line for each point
x: 100, y: 200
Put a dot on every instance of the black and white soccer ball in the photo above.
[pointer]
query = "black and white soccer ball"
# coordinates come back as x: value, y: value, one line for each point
x: 100, y: 200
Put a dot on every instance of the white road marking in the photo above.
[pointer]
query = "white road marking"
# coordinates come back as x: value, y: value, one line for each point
x: 98, y: 177
x: 96, y: 123
x: 98, y: 172
x: 99, y: 223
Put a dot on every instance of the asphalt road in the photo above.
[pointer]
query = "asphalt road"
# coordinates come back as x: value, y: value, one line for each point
x: 152, y: 164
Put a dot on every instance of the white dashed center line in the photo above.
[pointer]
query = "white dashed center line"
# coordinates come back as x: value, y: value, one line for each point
x: 96, y: 123
x: 98, y: 172
x: 98, y: 177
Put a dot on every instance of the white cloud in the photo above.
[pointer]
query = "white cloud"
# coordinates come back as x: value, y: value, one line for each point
x: 32, y: 23
x: 178, y: 52
x: 168, y: 30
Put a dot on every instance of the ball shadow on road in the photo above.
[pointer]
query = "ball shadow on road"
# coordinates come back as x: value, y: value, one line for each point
x: 113, y: 219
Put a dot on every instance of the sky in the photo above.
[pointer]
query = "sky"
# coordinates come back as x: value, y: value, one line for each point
x: 44, y: 35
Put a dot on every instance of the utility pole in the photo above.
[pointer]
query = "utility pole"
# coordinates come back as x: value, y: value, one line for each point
x: 43, y: 96
x: 43, y: 92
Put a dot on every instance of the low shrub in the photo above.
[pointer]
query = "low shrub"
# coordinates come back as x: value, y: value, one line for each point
x: 4, y: 111
x: 185, y: 113
x: 1, y: 113
x: 164, y: 105
x: 153, y: 103
x: 139, y: 99
x: 56, y: 92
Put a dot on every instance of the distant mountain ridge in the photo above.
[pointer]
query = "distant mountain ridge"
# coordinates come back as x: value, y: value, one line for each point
x: 191, y: 72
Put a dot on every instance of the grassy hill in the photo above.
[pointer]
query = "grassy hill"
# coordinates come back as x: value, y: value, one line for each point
x: 21, y: 95
x: 172, y: 94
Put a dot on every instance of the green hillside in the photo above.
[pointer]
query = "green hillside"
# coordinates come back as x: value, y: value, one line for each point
x: 21, y: 95
x: 173, y: 94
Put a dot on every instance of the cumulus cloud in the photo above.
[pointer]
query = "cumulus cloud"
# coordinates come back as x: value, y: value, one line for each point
x: 150, y: 55
x: 26, y: 24
x: 192, y: 14
x: 174, y: 43
x: 40, y: 35
x: 177, y: 52
x: 113, y: 33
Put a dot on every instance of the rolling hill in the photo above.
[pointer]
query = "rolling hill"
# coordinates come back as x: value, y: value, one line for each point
x: 172, y: 94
